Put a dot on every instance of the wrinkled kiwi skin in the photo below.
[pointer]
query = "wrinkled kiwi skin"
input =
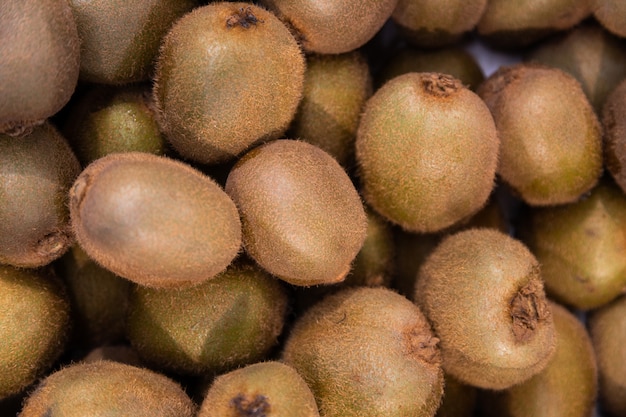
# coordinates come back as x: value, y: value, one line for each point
x: 154, y: 220
x: 36, y: 172
x: 40, y: 51
x: 614, y: 123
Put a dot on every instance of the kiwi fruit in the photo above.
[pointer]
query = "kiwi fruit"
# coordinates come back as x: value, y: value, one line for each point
x: 231, y: 320
x: 427, y: 152
x: 568, y: 386
x: 229, y: 75
x: 107, y: 388
x: 612, y: 15
x: 335, y: 90
x: 302, y: 218
x: 34, y: 325
x: 483, y: 293
x: 154, y: 220
x: 40, y: 51
x: 245, y: 392
x: 614, y: 123
x: 333, y: 27
x: 36, y: 172
x: 551, y: 139
x: 120, y: 40
x: 367, y: 352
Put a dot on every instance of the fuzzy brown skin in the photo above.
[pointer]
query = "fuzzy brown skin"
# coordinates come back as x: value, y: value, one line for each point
x: 612, y: 15
x: 104, y: 387
x: 34, y: 325
x: 551, y: 139
x: 367, y: 352
x: 581, y: 247
x: 568, y: 386
x: 154, y: 220
x: 302, y: 218
x: 245, y: 392
x: 614, y: 123
x: 36, y: 172
x: 427, y: 151
x: 437, y: 23
x: 492, y: 338
x: 231, y: 320
x: 228, y: 75
x: 335, y: 90
x: 40, y: 52
x: 120, y: 40
x: 333, y: 28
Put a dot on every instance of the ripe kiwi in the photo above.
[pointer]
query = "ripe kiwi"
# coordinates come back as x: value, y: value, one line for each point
x: 40, y: 52
x: 107, y: 388
x: 335, y: 90
x: 228, y: 75
x: 302, y: 218
x: 614, y: 123
x: 427, y: 150
x: 154, y: 220
x: 493, y: 338
x: 551, y: 139
x: 568, y: 385
x: 230, y: 320
x: 245, y: 392
x: 36, y: 172
x: 333, y: 27
x: 612, y: 15
x: 120, y: 40
x: 34, y: 325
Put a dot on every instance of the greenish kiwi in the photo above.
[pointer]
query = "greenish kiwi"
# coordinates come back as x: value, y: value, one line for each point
x: 568, y: 386
x: 154, y: 220
x: 40, y: 51
x: 427, y: 152
x: 245, y: 392
x: 120, y: 40
x: 333, y: 27
x: 551, y: 139
x: 367, y: 352
x: 437, y: 23
x: 105, y: 388
x: 34, y: 325
x: 612, y: 15
x: 231, y: 320
x: 302, y: 218
x: 106, y: 119
x: 493, y: 338
x: 335, y: 90
x: 614, y: 123
x: 36, y: 172
x: 228, y: 75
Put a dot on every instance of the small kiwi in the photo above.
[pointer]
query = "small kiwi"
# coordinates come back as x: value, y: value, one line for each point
x: 107, y: 388
x: 612, y: 15
x: 40, y: 51
x: 231, y: 320
x: 36, y: 172
x: 551, y: 139
x: 34, y: 325
x: 483, y: 293
x: 427, y: 150
x: 245, y: 392
x: 154, y: 220
x: 228, y: 75
x: 614, y: 123
x: 367, y: 352
x: 302, y: 218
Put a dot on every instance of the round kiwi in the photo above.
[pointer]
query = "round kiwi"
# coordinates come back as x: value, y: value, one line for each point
x: 106, y: 388
x: 614, y: 123
x: 228, y: 75
x: 245, y: 392
x: 154, y: 220
x: 427, y: 150
x: 36, y: 172
x: 34, y: 325
x: 612, y: 15
x: 367, y: 352
x: 302, y: 218
x: 483, y: 293
x: 551, y: 139
x: 40, y: 51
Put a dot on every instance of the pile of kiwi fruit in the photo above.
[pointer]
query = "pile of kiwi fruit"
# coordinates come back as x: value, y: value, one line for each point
x: 274, y: 208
